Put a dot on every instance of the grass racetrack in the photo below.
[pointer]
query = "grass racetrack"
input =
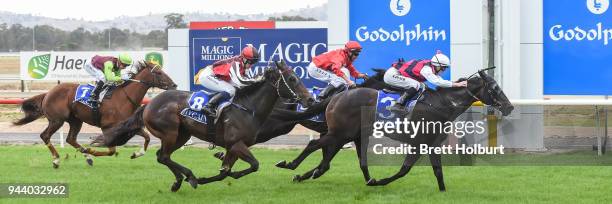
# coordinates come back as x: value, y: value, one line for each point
x: 143, y: 180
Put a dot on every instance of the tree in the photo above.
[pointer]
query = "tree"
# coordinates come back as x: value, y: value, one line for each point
x: 291, y: 18
x: 175, y: 20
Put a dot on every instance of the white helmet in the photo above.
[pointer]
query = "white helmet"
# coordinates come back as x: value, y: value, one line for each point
x: 440, y: 60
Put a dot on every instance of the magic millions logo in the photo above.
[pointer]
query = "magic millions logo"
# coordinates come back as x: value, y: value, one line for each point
x: 215, y: 49
x: 38, y: 66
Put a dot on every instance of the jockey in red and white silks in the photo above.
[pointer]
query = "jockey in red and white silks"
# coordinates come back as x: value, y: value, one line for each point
x: 409, y: 76
x: 223, y: 77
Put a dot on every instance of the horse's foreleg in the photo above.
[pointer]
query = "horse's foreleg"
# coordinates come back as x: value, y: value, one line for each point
x: 142, y: 150
x: 243, y: 153
x: 329, y: 151
x: 46, y: 138
x: 312, y: 146
x: 406, y: 166
x: 111, y: 151
x: 228, y: 161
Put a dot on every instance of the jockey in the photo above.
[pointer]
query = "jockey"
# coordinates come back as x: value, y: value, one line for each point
x: 329, y: 67
x: 409, y: 76
x: 223, y: 77
x: 106, y: 69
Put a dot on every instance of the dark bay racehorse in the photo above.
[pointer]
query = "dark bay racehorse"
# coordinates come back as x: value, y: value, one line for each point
x: 236, y: 130
x: 274, y: 127
x: 58, y: 106
x: 344, y: 121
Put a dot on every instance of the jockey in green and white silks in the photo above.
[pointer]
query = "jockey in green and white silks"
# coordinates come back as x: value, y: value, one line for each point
x: 106, y: 69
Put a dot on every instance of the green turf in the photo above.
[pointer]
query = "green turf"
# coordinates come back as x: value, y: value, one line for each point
x: 121, y: 180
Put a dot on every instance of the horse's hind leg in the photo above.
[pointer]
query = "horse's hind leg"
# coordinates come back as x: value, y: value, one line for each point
x: 436, y: 164
x: 242, y: 151
x: 312, y: 146
x: 362, y: 156
x: 163, y: 157
x: 75, y: 128
x: 168, y: 147
x: 46, y: 138
x: 177, y: 174
x: 142, y: 150
x: 406, y: 166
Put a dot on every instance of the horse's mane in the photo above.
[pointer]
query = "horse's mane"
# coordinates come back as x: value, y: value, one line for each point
x: 245, y: 91
x: 140, y: 65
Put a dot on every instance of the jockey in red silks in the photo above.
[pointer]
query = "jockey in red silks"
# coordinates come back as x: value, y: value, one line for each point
x: 408, y: 76
x: 223, y: 77
x: 332, y: 67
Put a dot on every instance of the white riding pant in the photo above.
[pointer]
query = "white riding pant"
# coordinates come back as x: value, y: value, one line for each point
x: 98, y: 74
x: 207, y: 78
x: 327, y: 76
x: 394, y: 78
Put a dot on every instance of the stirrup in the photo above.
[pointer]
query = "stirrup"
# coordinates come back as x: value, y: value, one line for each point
x: 210, y: 111
x: 398, y: 109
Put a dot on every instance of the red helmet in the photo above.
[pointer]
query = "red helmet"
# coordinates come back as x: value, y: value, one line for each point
x: 250, y: 53
x: 352, y: 46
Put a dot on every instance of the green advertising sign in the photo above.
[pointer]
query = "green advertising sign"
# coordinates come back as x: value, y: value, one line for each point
x: 38, y: 66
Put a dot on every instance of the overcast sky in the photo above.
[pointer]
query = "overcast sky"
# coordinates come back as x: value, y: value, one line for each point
x: 109, y: 9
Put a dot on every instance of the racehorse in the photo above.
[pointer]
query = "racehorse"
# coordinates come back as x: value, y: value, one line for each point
x: 235, y: 130
x: 274, y: 127
x: 344, y: 121
x: 58, y: 107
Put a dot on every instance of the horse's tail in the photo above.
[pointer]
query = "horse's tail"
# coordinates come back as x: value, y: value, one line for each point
x: 287, y: 115
x: 125, y: 130
x: 32, y: 107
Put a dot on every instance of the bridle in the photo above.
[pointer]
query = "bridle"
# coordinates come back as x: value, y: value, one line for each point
x: 155, y: 81
x: 147, y: 84
x: 490, y: 90
x: 294, y: 96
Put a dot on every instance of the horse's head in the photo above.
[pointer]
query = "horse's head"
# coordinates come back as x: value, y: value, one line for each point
x: 288, y: 84
x: 486, y: 89
x: 152, y: 75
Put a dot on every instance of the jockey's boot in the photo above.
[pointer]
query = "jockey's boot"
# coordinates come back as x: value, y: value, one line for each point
x: 400, y: 105
x: 329, y: 91
x: 211, y: 107
x: 93, y: 100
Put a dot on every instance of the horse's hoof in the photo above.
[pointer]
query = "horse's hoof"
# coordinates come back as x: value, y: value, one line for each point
x: 281, y: 164
x: 193, y: 182
x: 219, y: 155
x: 442, y: 190
x: 89, y: 161
x: 55, y: 166
x: 133, y: 156
x: 175, y: 187
x: 371, y: 182
x: 297, y: 179
x: 316, y: 174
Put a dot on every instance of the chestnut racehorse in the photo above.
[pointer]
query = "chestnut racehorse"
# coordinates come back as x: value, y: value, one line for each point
x: 58, y: 106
